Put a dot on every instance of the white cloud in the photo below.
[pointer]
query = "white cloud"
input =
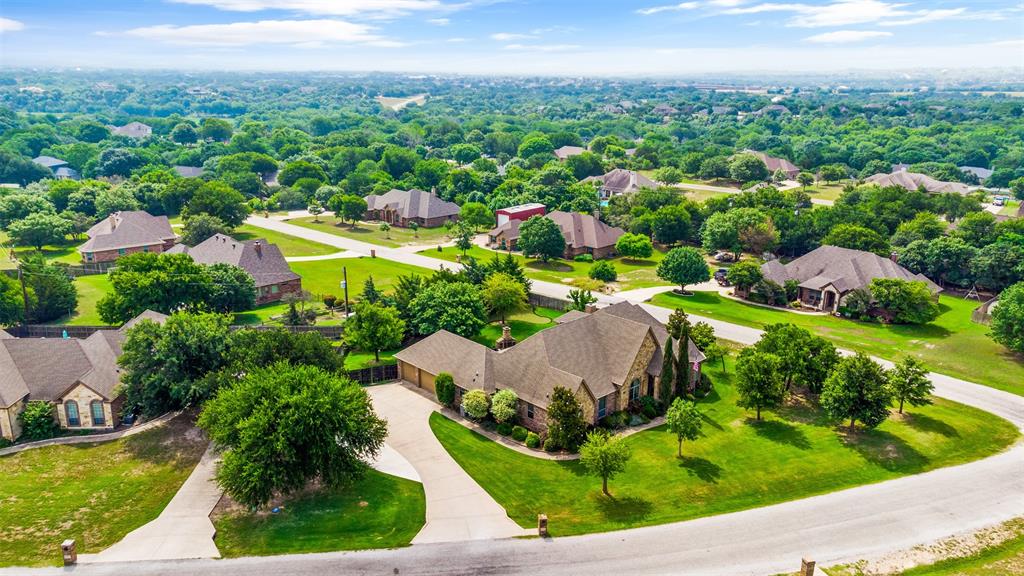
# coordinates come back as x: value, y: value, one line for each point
x: 457, y: 40
x: 297, y: 32
x: 847, y: 36
x: 506, y: 36
x: 669, y: 8
x: 849, y: 12
x: 439, y: 21
x: 543, y: 47
x: 325, y: 7
x: 8, y: 25
x: 726, y: 3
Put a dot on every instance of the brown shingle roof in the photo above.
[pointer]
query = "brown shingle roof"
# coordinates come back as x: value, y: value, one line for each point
x: 568, y: 151
x: 914, y: 180
x: 622, y: 181
x: 412, y: 204
x: 585, y: 231
x: 262, y: 260
x: 843, y: 268
x: 128, y: 229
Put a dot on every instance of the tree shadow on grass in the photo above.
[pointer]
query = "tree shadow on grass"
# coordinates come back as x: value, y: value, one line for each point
x: 925, y: 423
x: 804, y: 411
x: 780, y: 432
x: 177, y: 440
x: 549, y: 266
x: 625, y: 509
x: 885, y: 450
x: 702, y: 468
x: 710, y: 422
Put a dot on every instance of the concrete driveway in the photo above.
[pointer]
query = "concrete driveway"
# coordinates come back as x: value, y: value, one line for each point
x: 457, y: 507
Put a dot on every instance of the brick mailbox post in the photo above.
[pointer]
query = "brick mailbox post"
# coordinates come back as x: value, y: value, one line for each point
x: 542, y: 525
x: 807, y: 567
x: 67, y: 550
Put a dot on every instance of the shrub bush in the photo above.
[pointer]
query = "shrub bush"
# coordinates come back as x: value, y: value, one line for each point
x: 615, y: 420
x: 444, y: 388
x: 37, y: 422
x: 551, y: 445
x: 330, y: 300
x: 475, y: 404
x: 532, y: 440
x: 503, y: 405
x: 604, y: 271
x: 584, y: 258
x: 505, y: 428
x: 519, y: 433
x: 650, y: 407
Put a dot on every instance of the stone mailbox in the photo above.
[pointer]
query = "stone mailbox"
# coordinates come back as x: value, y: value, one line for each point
x: 807, y: 567
x: 373, y: 252
x: 542, y: 525
x: 67, y: 550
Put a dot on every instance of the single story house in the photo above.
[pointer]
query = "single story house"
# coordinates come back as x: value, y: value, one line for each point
x: 400, y: 207
x: 584, y: 234
x: 261, y: 259
x: 981, y: 173
x: 520, y: 212
x: 188, y: 171
x: 127, y: 232
x: 78, y: 376
x: 776, y: 164
x: 60, y: 168
x: 621, y: 181
x: 827, y: 274
x: 914, y: 181
x: 132, y: 130
x: 606, y: 358
x: 566, y: 152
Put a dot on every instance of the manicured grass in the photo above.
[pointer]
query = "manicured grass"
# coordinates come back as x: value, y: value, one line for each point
x: 324, y: 276
x: 1006, y: 558
x: 64, y: 254
x: 701, y: 196
x: 94, y: 493
x: 632, y: 273
x: 271, y: 314
x: 370, y: 232
x: 523, y: 325
x: 736, y: 464
x: 356, y: 360
x: 952, y: 344
x: 90, y: 289
x: 289, y: 245
x: 824, y: 191
x: 1010, y: 209
x: 379, y: 511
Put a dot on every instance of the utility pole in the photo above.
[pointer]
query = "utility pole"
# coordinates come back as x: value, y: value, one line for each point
x: 24, y: 294
x: 344, y: 286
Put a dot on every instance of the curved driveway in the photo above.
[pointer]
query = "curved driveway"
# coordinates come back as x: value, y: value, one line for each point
x: 848, y: 525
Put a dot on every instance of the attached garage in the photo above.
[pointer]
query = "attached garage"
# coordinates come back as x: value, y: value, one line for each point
x: 465, y: 360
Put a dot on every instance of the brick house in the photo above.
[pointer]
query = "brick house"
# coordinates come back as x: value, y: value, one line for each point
x: 79, y: 377
x: 607, y: 358
x: 261, y: 259
x: 776, y: 164
x: 132, y: 130
x: 400, y: 207
x: 127, y: 232
x: 583, y: 233
x: 621, y: 181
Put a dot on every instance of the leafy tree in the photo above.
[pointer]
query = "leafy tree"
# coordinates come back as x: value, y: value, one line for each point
x: 759, y: 381
x: 14, y: 207
x: 370, y: 293
x: 744, y: 275
x: 444, y: 388
x: 805, y: 179
x: 115, y: 199
x: 347, y: 207
x: 415, y: 229
x: 216, y: 129
x: 53, y: 291
x: 580, y: 299
x: 164, y: 366
x: 248, y: 348
x: 603, y: 270
x: 685, y: 421
x: 316, y: 209
x: 374, y: 327
x: 476, y: 214
x: 503, y: 295
x: 999, y: 264
x: 386, y: 229
x: 299, y: 169
x: 160, y: 282
x: 832, y: 172
x: 398, y: 161
x: 200, y: 227
x: 683, y: 266
x: 37, y: 421
x: 585, y: 164
x: 977, y: 229
x: 504, y: 405
x: 721, y: 232
x: 184, y: 133
x: 220, y: 200
x: 1008, y: 318
x: 465, y: 153
x: 321, y: 426
x: 1017, y: 187
x: 856, y: 238
x: 671, y: 224
x: 905, y: 302
x: 535, y: 145
x: 12, y: 306
x: 748, y: 168
x: 909, y: 383
x: 118, y: 162
x: 804, y: 359
x: 20, y: 170
x: 475, y: 404
x: 453, y: 306
x: 39, y: 229
x: 604, y: 456
x: 541, y: 237
x: 857, y: 390
x: 634, y: 246
x: 463, y: 235
x: 566, y: 426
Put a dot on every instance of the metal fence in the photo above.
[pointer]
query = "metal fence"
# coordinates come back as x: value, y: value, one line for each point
x: 548, y: 302
x: 374, y: 374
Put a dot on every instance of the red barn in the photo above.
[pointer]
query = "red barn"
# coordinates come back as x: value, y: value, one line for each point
x: 521, y: 212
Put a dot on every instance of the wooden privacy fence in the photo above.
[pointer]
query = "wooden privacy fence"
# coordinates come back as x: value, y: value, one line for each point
x: 548, y: 302
x: 374, y: 374
x: 58, y: 331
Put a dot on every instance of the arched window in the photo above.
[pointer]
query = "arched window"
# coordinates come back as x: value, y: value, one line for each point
x: 634, y: 389
x: 71, y: 411
x: 96, y: 408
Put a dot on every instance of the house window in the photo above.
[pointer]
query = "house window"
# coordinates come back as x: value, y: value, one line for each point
x: 274, y: 289
x: 120, y: 251
x: 529, y: 411
x: 602, y: 407
x: 145, y: 248
x: 96, y: 408
x: 71, y: 411
x: 88, y: 256
x: 634, y: 389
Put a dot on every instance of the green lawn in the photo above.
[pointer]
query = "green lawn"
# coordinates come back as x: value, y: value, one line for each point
x: 952, y: 344
x: 324, y: 276
x: 370, y: 232
x: 523, y: 325
x: 379, y: 511
x: 90, y: 290
x: 1006, y: 558
x: 825, y: 191
x: 94, y: 493
x: 289, y: 245
x: 64, y: 253
x: 356, y: 360
x: 632, y: 273
x: 1010, y: 209
x: 737, y: 463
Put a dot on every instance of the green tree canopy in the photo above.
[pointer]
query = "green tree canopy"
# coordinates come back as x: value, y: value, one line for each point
x: 453, y: 306
x: 684, y: 420
x: 1008, y: 318
x: 759, y: 380
x: 857, y: 390
x: 374, y: 327
x: 684, y: 265
x: 634, y: 246
x: 503, y: 295
x: 909, y: 383
x: 604, y: 456
x: 541, y: 237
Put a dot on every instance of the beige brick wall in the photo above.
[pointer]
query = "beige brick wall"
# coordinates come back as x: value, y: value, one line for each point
x: 637, y: 371
x: 84, y: 397
x: 9, y: 426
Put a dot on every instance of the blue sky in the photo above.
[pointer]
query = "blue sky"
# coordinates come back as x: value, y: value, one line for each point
x: 562, y: 37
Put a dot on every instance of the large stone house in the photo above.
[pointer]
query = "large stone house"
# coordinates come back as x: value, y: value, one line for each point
x: 583, y: 233
x: 606, y: 358
x: 827, y: 275
x: 261, y: 259
x: 79, y: 377
x: 400, y: 207
x: 914, y: 181
x: 621, y: 181
x: 127, y: 232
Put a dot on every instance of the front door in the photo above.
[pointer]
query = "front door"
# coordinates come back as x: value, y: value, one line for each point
x: 830, y: 301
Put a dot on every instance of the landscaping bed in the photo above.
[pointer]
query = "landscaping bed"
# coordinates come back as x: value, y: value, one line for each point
x: 738, y: 463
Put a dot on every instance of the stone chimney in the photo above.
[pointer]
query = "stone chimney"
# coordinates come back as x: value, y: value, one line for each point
x: 590, y: 309
x: 113, y: 221
x: 895, y: 257
x: 506, y: 340
x: 258, y: 247
x: 433, y: 190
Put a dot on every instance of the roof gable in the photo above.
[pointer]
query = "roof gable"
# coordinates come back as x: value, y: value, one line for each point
x: 128, y: 229
x: 261, y: 259
x: 412, y: 204
x: 844, y: 268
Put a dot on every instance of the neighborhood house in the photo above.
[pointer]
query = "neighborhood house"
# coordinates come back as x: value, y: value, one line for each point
x: 621, y: 181
x: 777, y: 164
x: 132, y: 130
x: 607, y: 359
x: 60, y: 168
x: 914, y: 181
x: 125, y: 233
x: 78, y: 376
x: 584, y: 234
x: 828, y: 274
x: 400, y: 207
x: 262, y: 260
